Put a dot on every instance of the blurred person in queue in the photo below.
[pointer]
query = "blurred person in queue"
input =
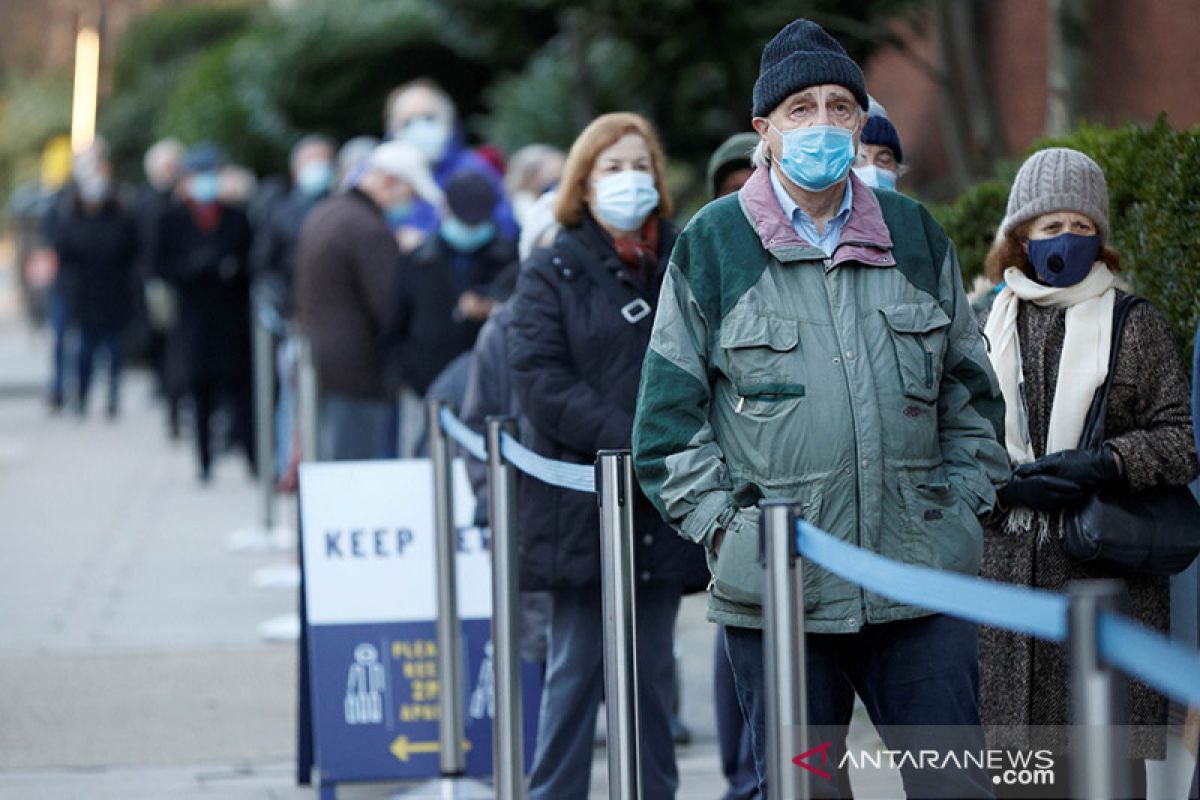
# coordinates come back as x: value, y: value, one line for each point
x: 445, y: 292
x: 273, y: 262
x: 880, y: 160
x: 728, y: 170
x: 162, y: 164
x: 423, y: 115
x: 581, y: 319
x: 813, y: 342
x: 1051, y: 331
x: 532, y: 171
x: 347, y: 263
x: 203, y: 251
x: 96, y: 241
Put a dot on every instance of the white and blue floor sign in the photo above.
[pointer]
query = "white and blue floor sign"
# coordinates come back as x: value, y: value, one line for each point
x: 372, y: 646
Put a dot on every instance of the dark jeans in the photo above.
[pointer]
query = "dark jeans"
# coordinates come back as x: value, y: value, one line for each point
x: 921, y: 672
x: 90, y: 342
x: 733, y: 734
x: 562, y: 765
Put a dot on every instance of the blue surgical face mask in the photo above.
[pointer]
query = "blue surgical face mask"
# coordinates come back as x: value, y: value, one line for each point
x: 467, y: 238
x: 624, y: 200
x: 816, y: 158
x: 204, y: 186
x: 428, y: 135
x: 315, y: 178
x: 876, y: 177
x: 1064, y: 260
x: 398, y: 213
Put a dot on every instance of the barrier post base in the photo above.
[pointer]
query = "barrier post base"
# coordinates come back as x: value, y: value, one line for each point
x: 447, y: 789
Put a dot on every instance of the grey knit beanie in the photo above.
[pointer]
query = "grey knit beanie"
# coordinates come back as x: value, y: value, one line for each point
x: 1058, y: 179
x: 803, y: 55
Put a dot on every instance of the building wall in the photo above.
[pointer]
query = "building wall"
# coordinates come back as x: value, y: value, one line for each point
x: 1144, y: 58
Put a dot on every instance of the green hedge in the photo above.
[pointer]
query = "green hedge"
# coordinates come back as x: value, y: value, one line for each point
x: 1153, y: 176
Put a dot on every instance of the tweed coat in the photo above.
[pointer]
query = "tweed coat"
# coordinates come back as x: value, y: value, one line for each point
x: 1023, y: 681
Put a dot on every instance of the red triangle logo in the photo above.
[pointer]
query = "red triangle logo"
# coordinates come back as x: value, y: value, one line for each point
x: 802, y: 760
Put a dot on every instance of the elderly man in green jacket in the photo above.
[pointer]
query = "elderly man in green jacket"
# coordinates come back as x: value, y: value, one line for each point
x: 813, y: 342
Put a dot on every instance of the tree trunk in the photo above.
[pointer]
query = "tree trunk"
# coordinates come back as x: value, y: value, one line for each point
x: 1066, y: 63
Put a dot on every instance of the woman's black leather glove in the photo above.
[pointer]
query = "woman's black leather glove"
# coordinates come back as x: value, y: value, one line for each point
x: 1092, y: 470
x: 1041, y: 493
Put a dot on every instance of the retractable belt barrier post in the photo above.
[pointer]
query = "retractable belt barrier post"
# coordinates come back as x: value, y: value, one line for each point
x: 614, y: 481
x: 1100, y: 766
x: 449, y: 651
x: 783, y: 649
x: 509, y: 757
x: 264, y: 407
x: 306, y: 380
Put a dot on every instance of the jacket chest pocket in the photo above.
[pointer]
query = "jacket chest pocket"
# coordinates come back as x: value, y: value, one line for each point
x: 918, y: 333
x: 764, y: 362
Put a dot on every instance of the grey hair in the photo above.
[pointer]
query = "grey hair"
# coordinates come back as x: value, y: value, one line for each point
x: 161, y: 150
x: 310, y: 140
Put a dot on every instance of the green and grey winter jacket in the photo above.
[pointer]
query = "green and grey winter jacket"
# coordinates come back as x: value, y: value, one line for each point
x: 857, y: 385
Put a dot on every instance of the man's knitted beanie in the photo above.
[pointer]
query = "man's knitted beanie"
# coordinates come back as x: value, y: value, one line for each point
x: 803, y: 55
x: 1058, y: 179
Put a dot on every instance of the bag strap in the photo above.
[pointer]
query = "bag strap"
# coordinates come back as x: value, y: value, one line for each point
x: 1093, y: 426
x: 635, y: 310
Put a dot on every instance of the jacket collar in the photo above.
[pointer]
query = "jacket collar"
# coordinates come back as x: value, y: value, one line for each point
x: 865, y: 238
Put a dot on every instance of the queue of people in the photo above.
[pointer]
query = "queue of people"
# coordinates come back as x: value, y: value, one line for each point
x: 806, y: 335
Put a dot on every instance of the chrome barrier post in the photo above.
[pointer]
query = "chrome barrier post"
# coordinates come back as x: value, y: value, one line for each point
x: 264, y: 417
x: 507, y: 726
x: 614, y: 484
x: 307, y: 401
x: 783, y: 649
x: 1099, y: 758
x: 450, y: 701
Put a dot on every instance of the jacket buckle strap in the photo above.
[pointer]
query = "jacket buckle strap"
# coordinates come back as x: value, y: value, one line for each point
x: 636, y: 311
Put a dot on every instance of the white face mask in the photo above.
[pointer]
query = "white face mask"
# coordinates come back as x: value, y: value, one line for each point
x: 624, y: 200
x: 429, y: 136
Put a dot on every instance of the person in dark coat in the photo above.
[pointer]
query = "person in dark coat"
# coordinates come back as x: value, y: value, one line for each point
x: 581, y: 320
x: 273, y: 265
x: 1057, y: 306
x: 96, y: 241
x: 162, y: 164
x: 204, y: 248
x: 347, y: 262
x: 442, y: 298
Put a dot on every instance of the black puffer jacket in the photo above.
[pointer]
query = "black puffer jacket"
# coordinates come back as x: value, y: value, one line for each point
x: 576, y: 363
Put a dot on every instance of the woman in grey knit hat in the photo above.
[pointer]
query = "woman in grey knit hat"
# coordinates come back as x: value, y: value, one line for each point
x: 1050, y: 332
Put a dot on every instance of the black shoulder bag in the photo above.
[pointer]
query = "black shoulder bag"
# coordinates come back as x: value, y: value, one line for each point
x: 1155, y: 532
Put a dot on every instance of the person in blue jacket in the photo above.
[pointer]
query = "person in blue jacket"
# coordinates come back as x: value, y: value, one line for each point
x: 421, y: 113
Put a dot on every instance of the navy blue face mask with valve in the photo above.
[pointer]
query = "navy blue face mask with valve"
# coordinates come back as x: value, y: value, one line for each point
x: 1063, y: 260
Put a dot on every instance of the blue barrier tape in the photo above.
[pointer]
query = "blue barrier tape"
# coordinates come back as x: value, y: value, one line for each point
x: 578, y: 477
x: 1016, y: 608
x: 468, y: 439
x: 1150, y: 657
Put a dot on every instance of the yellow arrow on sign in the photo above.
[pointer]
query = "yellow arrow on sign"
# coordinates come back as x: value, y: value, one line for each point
x: 402, y: 748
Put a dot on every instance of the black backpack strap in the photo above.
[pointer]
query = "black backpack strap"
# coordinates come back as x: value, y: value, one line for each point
x: 636, y: 310
x: 1093, y: 427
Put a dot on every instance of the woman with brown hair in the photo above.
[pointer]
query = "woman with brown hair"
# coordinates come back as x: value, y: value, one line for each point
x: 1050, y: 333
x: 581, y: 320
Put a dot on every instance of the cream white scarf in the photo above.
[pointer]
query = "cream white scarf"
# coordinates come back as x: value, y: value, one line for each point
x: 1081, y: 369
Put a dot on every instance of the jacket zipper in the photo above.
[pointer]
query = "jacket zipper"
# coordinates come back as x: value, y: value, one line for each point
x: 741, y: 403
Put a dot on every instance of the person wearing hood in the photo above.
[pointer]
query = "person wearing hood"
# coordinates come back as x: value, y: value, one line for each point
x: 1051, y: 331
x: 96, y: 241
x: 204, y: 251
x: 422, y: 114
